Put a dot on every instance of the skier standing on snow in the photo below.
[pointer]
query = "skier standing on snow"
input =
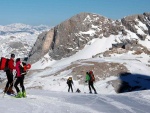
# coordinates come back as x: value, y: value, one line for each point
x: 20, y: 78
x: 9, y: 72
x: 69, y: 82
x: 90, y: 79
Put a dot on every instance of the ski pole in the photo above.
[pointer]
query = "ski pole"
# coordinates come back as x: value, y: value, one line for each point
x: 0, y: 80
x: 74, y: 87
x: 64, y: 88
x: 83, y: 87
x: 95, y: 85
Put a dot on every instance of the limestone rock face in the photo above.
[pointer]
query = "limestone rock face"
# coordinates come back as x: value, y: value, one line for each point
x: 42, y: 45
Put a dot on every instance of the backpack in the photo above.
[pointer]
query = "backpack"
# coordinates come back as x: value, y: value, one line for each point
x: 26, y: 66
x: 78, y: 90
x: 4, y: 64
x: 92, y: 77
x: 23, y: 70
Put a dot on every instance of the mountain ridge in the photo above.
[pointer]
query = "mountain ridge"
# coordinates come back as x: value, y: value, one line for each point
x: 71, y: 35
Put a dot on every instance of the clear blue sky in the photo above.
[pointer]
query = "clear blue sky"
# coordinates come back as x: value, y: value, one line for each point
x: 53, y: 12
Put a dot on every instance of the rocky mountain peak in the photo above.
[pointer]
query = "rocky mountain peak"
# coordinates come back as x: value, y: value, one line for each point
x: 73, y: 34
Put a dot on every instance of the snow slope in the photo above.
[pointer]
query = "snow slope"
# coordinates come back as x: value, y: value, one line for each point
x: 94, y: 47
x: 58, y: 102
x: 46, y: 68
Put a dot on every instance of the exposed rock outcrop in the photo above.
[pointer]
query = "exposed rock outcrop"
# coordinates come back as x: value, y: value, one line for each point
x: 42, y: 45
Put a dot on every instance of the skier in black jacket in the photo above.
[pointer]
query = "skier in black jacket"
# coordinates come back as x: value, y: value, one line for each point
x: 70, y: 82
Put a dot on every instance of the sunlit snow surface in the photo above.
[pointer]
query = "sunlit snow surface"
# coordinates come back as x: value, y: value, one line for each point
x: 41, y: 101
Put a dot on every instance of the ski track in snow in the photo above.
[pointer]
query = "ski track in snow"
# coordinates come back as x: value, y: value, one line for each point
x: 41, y: 101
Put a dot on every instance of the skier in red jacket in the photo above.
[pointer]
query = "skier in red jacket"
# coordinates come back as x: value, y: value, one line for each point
x: 9, y: 73
x: 20, y: 78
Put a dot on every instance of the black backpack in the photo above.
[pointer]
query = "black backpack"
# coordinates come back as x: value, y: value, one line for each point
x: 22, y: 71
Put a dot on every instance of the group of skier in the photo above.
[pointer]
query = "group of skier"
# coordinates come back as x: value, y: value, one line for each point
x: 21, y: 71
x: 89, y: 78
x: 20, y: 68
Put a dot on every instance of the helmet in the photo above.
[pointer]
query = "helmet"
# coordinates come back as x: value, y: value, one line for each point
x: 12, y: 55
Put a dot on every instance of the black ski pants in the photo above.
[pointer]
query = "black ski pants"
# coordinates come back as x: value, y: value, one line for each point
x: 91, y: 85
x: 9, y: 78
x: 70, y: 86
x: 20, y: 80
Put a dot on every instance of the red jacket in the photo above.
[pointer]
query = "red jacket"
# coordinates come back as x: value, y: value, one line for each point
x: 11, y: 64
x: 18, y: 69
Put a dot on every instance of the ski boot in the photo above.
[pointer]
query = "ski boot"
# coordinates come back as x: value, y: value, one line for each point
x: 95, y: 92
x: 90, y: 92
x: 19, y: 95
x: 24, y: 94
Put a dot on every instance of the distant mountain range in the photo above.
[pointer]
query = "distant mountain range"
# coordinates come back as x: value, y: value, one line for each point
x: 19, y: 38
x: 21, y: 28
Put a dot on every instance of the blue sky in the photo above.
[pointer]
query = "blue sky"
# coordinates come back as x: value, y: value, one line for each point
x: 53, y: 12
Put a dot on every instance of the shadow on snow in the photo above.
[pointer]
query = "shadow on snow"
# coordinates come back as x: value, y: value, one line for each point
x: 133, y: 82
